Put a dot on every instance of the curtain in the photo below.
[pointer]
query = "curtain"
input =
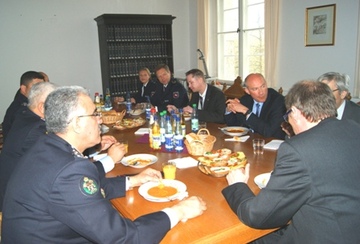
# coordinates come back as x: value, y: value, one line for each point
x: 357, y: 63
x: 202, y: 29
x: 271, y: 42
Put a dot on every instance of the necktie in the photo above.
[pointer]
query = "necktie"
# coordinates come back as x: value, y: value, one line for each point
x: 164, y: 88
x: 142, y: 90
x: 257, y: 109
x: 201, y: 102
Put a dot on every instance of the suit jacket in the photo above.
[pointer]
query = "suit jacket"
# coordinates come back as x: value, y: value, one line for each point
x: 149, y: 90
x: 351, y: 111
x: 19, y: 102
x: 271, y: 116
x: 24, y: 132
x: 54, y: 196
x: 213, y: 105
x: 174, y: 94
x: 314, y: 185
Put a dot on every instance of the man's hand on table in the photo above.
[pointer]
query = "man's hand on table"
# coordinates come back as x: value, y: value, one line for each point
x: 117, y: 151
x: 239, y: 175
x: 107, y: 141
x: 148, y: 174
x: 189, y: 208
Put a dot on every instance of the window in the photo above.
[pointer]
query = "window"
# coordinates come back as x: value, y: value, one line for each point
x: 240, y: 38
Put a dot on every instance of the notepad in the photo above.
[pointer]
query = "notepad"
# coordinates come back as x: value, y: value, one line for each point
x: 273, y: 145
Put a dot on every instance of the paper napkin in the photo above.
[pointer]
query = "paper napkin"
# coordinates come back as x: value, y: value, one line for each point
x: 185, y: 162
x: 236, y: 138
x: 142, y: 131
x: 273, y: 145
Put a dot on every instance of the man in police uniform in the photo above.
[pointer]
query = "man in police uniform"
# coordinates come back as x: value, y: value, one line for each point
x: 169, y: 91
x: 55, y: 195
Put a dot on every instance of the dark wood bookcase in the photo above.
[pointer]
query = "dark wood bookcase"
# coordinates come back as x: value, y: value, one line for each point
x: 129, y: 42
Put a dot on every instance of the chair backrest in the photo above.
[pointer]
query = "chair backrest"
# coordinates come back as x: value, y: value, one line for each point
x: 236, y: 90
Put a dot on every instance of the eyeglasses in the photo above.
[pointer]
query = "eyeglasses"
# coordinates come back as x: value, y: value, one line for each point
x: 286, y: 115
x: 335, y: 90
x: 95, y: 114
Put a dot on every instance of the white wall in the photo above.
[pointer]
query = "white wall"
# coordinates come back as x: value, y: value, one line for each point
x: 61, y: 39
x: 298, y: 62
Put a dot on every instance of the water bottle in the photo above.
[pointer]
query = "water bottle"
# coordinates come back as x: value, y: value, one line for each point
x: 168, y: 135
x: 162, y: 126
x: 194, y: 120
x: 148, y: 108
x: 108, y: 104
x: 128, y: 102
x: 178, y: 137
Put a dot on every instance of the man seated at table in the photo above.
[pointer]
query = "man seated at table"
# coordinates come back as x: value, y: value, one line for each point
x: 169, y: 91
x: 29, y: 125
x: 55, y: 195
x: 27, y: 79
x: 339, y: 84
x: 313, y: 191
x: 261, y: 109
x: 209, y: 100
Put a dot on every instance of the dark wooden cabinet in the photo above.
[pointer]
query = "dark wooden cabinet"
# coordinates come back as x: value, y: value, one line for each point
x: 129, y: 42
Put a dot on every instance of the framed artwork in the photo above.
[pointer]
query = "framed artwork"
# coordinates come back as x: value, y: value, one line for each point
x: 320, y: 25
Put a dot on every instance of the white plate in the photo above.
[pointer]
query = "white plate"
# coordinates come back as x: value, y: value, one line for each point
x: 262, y: 180
x: 125, y: 161
x: 137, y: 112
x: 227, y: 130
x: 143, y: 190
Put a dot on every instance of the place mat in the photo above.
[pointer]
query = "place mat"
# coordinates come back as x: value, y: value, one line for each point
x: 145, y: 139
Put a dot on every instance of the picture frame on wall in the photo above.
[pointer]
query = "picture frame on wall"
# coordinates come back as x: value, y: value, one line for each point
x: 320, y: 25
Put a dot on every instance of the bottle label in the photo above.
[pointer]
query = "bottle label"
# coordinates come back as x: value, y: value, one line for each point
x: 147, y: 113
x: 183, y: 130
x: 194, y: 125
x: 156, y: 141
x: 169, y: 142
x: 162, y: 135
x: 179, y: 143
x: 128, y: 107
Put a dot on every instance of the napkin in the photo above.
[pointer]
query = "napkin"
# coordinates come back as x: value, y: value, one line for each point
x: 142, y: 131
x: 239, y: 139
x: 185, y: 162
x: 273, y: 145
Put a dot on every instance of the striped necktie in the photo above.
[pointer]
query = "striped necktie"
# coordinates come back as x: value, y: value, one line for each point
x: 257, y: 109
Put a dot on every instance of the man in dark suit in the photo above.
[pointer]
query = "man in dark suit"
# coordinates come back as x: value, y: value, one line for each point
x: 313, y: 191
x: 209, y: 100
x: 56, y: 195
x: 339, y: 84
x: 169, y: 91
x: 261, y: 109
x: 27, y: 79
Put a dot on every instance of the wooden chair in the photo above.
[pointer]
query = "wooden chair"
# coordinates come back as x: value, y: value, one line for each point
x: 236, y: 90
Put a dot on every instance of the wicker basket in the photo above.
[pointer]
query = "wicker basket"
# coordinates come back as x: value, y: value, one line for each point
x: 111, y: 117
x: 201, y: 144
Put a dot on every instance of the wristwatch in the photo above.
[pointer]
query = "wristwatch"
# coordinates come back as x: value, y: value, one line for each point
x: 248, y: 112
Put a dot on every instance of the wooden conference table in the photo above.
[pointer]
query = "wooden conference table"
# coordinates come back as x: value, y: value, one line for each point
x: 218, y: 224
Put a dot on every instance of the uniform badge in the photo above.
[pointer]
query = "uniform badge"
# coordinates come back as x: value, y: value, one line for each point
x: 88, y: 186
x: 176, y: 95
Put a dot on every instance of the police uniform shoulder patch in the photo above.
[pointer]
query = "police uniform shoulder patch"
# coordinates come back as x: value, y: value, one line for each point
x: 88, y: 186
x: 176, y: 95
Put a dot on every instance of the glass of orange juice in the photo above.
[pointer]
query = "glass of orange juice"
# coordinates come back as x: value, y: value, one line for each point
x: 126, y: 144
x: 169, y: 169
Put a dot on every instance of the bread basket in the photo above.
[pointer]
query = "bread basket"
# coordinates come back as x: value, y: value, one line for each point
x: 111, y: 117
x: 198, y: 144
